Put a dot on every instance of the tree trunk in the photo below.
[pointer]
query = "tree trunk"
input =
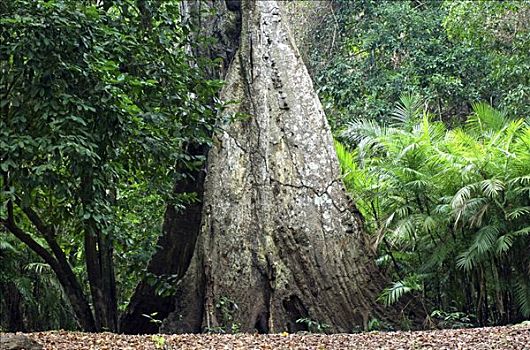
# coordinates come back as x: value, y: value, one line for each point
x: 100, y: 270
x: 100, y: 266
x: 219, y: 20
x: 280, y: 240
x: 13, y: 302
x: 177, y: 242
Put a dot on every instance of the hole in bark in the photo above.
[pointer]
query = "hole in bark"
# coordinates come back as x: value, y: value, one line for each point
x: 233, y: 5
x: 295, y: 310
x: 276, y: 189
x: 262, y: 323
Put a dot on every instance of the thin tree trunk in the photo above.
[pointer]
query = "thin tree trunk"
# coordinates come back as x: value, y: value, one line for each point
x: 280, y: 239
x: 64, y: 274
x: 100, y: 268
x: 13, y: 301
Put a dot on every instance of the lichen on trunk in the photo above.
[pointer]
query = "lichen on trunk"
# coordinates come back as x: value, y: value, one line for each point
x: 280, y: 239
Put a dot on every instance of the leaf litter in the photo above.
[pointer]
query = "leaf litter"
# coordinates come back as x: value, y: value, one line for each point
x: 507, y: 337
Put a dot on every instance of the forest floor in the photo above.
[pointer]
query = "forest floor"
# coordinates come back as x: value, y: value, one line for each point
x: 512, y: 337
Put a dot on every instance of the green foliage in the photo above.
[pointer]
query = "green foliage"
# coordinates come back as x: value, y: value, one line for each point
x: 453, y: 53
x: 30, y: 287
x: 448, y: 207
x: 152, y: 318
x: 500, y: 30
x: 226, y: 308
x: 313, y: 326
x: 392, y: 294
x: 452, y: 319
x: 159, y: 341
x: 99, y: 106
x: 374, y: 324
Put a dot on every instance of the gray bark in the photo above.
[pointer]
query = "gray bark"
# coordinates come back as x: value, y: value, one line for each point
x: 279, y: 238
x: 218, y: 20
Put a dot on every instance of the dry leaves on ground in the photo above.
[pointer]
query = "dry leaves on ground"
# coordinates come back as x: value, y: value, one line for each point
x: 513, y: 337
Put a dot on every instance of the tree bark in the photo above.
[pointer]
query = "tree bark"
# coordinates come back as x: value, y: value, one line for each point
x: 219, y: 20
x: 280, y: 239
x: 100, y: 266
x: 177, y: 243
x: 100, y: 270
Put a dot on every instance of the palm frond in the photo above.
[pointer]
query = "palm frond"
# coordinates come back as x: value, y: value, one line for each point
x: 393, y: 293
x: 408, y: 110
x: 486, y: 118
x: 505, y: 242
x: 484, y: 241
x: 492, y: 187
x: 6, y: 246
x: 522, y: 294
x: 463, y: 194
x: 518, y: 212
x: 520, y: 180
x: 38, y: 267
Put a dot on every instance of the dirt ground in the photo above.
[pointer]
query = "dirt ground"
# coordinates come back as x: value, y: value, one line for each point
x: 513, y: 337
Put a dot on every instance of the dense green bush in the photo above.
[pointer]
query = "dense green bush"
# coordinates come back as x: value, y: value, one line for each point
x: 448, y: 208
x: 453, y: 54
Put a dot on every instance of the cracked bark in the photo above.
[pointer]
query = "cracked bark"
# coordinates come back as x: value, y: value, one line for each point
x: 279, y: 238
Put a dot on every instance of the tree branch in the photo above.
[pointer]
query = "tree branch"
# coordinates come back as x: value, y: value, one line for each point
x: 10, y: 225
x: 48, y: 234
x: 59, y: 265
x: 45, y: 230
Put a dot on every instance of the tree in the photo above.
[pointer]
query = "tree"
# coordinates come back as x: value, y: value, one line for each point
x: 217, y: 24
x: 93, y: 100
x: 280, y: 240
x: 452, y: 53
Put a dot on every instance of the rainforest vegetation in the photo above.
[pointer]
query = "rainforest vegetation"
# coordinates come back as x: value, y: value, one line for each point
x: 104, y: 104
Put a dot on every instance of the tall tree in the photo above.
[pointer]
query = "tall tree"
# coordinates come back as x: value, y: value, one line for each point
x: 112, y: 104
x: 217, y: 23
x: 280, y: 240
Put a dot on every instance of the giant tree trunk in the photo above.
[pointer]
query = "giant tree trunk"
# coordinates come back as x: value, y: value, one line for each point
x: 177, y: 243
x: 218, y: 19
x: 279, y: 238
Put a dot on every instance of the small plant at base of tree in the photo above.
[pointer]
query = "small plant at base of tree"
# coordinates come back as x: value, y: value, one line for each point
x: 160, y: 341
x: 227, y: 308
x: 314, y: 326
x: 152, y: 318
x: 454, y: 319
